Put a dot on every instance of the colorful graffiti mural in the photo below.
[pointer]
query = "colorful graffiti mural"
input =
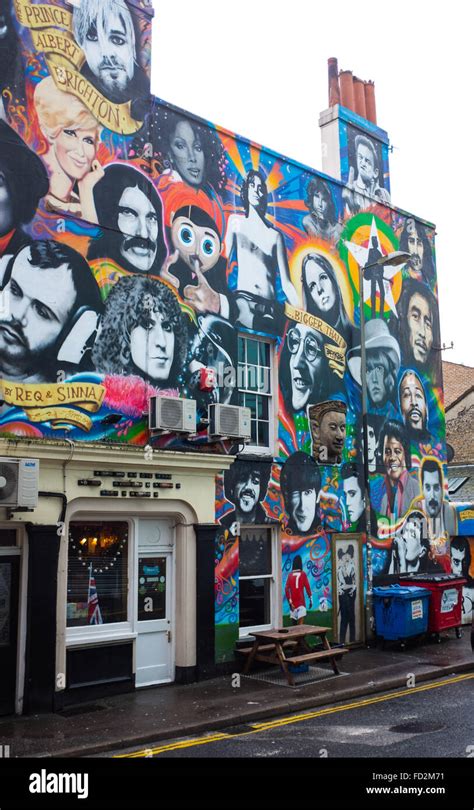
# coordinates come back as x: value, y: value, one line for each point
x: 138, y: 245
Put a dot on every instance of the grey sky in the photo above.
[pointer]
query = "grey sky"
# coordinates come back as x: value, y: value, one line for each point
x: 259, y: 68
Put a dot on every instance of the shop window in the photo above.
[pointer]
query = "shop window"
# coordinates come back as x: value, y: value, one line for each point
x: 256, y: 578
x: 7, y: 537
x: 255, y: 388
x: 97, y: 573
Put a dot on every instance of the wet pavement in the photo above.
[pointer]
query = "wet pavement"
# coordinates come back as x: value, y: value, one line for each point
x: 170, y: 711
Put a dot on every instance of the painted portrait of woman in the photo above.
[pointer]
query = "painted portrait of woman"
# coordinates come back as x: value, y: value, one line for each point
x: 73, y: 135
x: 186, y: 150
x: 321, y: 294
x: 143, y: 333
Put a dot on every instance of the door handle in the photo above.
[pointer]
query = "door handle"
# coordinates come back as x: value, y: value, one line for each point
x: 168, y: 633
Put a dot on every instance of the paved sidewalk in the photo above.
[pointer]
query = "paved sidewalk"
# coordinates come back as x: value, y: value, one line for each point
x: 172, y: 711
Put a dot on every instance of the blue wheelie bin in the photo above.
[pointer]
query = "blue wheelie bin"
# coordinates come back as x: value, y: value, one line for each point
x: 400, y: 612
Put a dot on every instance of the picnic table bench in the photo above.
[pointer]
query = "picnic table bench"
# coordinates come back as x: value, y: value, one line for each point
x: 269, y: 647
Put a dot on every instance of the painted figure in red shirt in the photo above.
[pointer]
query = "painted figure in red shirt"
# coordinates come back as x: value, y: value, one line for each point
x: 296, y: 584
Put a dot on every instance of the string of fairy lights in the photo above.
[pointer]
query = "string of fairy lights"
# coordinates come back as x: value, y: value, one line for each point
x: 104, y: 541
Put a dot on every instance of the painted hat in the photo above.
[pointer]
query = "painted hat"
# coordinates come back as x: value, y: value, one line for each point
x: 377, y: 336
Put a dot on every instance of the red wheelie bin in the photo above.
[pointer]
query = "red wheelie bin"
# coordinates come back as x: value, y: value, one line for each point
x: 446, y: 600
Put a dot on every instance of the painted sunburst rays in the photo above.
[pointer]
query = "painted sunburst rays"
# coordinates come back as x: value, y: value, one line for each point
x: 282, y: 181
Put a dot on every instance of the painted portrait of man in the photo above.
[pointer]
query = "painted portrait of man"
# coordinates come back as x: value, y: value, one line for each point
x: 260, y: 251
x: 353, y: 484
x: 414, y: 240
x: 365, y: 176
x: 106, y: 32
x: 23, y: 182
x: 50, y: 291
x: 245, y: 486
x: 413, y: 405
x: 143, y: 333
x: 418, y: 325
x: 130, y: 214
x: 300, y: 484
x: 305, y: 376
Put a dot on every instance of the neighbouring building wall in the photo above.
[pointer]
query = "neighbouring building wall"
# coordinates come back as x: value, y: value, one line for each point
x: 141, y: 246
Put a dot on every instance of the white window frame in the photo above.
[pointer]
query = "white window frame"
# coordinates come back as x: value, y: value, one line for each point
x: 258, y: 449
x: 112, y: 631
x: 275, y: 577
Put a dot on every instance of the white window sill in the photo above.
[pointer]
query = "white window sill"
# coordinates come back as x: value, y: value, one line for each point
x: 85, y: 636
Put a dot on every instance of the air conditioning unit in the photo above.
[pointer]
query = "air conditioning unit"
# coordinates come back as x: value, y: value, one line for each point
x: 19, y: 480
x: 172, y: 415
x: 230, y: 421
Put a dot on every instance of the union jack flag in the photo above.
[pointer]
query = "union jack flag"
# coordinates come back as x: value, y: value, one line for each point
x: 94, y: 615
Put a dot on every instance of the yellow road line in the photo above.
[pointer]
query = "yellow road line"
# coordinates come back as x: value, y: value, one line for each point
x: 174, y: 746
x: 257, y: 728
x: 369, y: 701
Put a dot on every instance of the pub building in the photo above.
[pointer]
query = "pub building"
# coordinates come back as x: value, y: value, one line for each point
x: 173, y: 442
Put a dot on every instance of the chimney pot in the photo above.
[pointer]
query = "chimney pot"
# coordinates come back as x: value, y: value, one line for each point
x: 369, y: 91
x: 359, y: 97
x: 347, y: 89
x: 333, y: 82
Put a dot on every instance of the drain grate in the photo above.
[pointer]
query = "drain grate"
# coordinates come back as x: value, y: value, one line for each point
x: 278, y: 678
x: 87, y: 708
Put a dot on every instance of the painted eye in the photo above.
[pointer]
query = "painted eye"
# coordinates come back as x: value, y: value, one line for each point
x: 186, y: 236
x: 208, y: 247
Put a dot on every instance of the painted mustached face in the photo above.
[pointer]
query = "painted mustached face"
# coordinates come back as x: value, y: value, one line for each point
x: 110, y: 53
x: 138, y: 222
x: 432, y: 492
x: 247, y: 492
x: 365, y: 164
x: 413, y: 402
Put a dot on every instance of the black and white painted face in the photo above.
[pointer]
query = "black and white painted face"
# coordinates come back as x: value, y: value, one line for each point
x: 376, y: 382
x: 415, y: 249
x: 320, y: 204
x: 255, y: 191
x: 305, y: 363
x: 152, y: 346
x: 413, y: 401
x: 40, y: 303
x: 187, y: 154
x: 457, y: 561
x: 110, y: 52
x: 412, y: 538
x: 6, y: 207
x: 432, y: 492
x: 354, y: 498
x: 247, y: 491
x: 138, y: 222
x: 420, y: 328
x: 303, y: 508
x: 320, y: 286
x: 367, y: 169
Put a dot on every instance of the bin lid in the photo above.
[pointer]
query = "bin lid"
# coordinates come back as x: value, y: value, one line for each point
x: 430, y: 578
x: 401, y: 592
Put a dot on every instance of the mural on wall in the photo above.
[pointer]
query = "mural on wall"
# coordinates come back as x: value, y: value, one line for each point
x: 137, y: 243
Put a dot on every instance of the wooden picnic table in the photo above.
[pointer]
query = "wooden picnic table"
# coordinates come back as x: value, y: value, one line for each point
x: 270, y: 647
